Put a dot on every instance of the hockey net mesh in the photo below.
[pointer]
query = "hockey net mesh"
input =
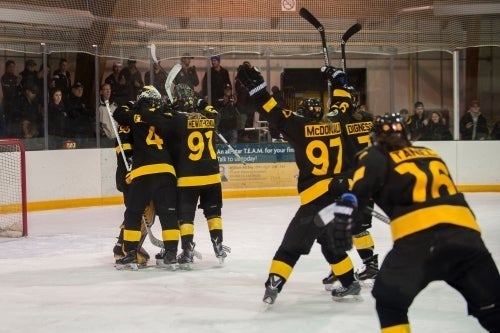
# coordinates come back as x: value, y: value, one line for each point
x: 12, y: 189
x: 125, y: 28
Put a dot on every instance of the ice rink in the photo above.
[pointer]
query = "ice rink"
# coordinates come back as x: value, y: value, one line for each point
x: 61, y: 278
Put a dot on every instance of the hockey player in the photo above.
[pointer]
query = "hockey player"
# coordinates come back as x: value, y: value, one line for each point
x: 152, y: 178
x: 197, y: 168
x: 356, y: 126
x: 435, y: 233
x: 317, y: 145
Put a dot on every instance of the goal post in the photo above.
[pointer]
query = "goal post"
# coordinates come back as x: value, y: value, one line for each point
x: 13, y: 205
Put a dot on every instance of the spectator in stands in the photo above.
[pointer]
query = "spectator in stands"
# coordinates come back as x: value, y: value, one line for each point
x: 117, y: 83
x: 405, y: 115
x: 246, y: 108
x: 495, y: 132
x: 40, y: 81
x: 228, y: 116
x: 473, y: 125
x: 188, y: 73
x: 29, y: 74
x: 61, y: 79
x: 107, y: 132
x: 417, y: 121
x: 58, y: 119
x: 219, y: 78
x: 436, y: 129
x: 31, y: 113
x: 81, y: 117
x: 159, y: 77
x: 3, y: 129
x: 11, y: 93
x: 133, y: 80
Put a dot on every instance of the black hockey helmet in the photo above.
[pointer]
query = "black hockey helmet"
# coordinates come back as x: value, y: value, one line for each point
x: 390, y: 130
x: 310, y: 108
x: 151, y: 95
x: 354, y: 96
x: 185, y: 97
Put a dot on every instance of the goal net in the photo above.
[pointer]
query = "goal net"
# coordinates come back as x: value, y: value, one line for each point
x: 13, y: 216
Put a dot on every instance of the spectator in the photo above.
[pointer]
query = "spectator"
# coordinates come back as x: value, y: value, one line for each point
x: 159, y: 77
x: 133, y: 80
x: 39, y: 80
x: 188, y: 73
x: 417, y: 121
x: 436, y: 130
x: 219, y: 78
x: 58, y: 119
x: 81, y: 117
x: 3, y: 129
x: 405, y: 115
x: 473, y: 125
x: 31, y: 113
x: 495, y: 132
x: 10, y: 103
x: 61, y: 79
x: 117, y: 83
x: 105, y: 120
x: 245, y: 106
x: 228, y: 116
x: 29, y: 74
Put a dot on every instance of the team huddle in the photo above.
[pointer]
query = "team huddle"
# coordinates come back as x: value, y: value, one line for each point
x: 347, y: 162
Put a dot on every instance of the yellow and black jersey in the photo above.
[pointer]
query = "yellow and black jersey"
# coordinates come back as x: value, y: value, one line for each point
x: 151, y: 152
x: 317, y: 146
x: 126, y: 140
x: 356, y: 126
x: 413, y: 187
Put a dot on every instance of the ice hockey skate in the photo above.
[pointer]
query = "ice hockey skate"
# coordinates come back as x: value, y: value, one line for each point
x: 220, y: 250
x: 128, y: 262
x: 273, y: 286
x: 185, y: 259
x: 329, y: 281
x: 350, y: 293
x: 142, y: 256
x: 367, y: 274
x: 167, y: 259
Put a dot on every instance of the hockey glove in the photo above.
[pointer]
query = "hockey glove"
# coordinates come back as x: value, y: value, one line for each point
x: 252, y: 79
x: 336, y: 76
x: 339, y: 184
x: 338, y: 217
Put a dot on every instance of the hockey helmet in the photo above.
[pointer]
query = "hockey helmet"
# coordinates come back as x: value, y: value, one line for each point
x: 310, y: 108
x: 354, y: 96
x: 390, y: 130
x: 151, y: 95
x: 185, y: 97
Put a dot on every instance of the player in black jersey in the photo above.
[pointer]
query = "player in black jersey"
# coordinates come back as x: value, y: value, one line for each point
x: 197, y: 167
x: 317, y: 145
x: 435, y: 233
x: 356, y: 127
x: 152, y: 178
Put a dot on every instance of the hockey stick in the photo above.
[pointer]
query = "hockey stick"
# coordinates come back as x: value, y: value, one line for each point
x: 231, y: 149
x: 309, y: 17
x: 170, y: 79
x: 127, y: 166
x: 345, y: 37
x: 378, y: 215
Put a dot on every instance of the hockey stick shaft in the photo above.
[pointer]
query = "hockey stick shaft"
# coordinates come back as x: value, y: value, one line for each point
x: 355, y: 28
x: 378, y: 215
x: 231, y: 149
x: 122, y: 152
x: 309, y: 17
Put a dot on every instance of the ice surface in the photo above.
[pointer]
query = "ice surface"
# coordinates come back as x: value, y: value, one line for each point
x: 61, y: 279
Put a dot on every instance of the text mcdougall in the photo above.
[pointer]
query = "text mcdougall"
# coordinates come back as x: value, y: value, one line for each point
x: 322, y: 129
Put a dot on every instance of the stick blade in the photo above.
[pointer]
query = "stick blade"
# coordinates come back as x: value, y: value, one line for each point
x: 309, y: 17
x: 152, y: 49
x: 355, y: 28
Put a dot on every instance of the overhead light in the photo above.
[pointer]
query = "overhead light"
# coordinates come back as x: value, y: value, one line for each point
x: 449, y: 9
x: 19, y: 13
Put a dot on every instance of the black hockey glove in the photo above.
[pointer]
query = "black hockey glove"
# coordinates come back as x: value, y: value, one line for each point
x: 253, y: 81
x: 336, y: 76
x: 339, y: 184
x: 338, y: 218
x: 206, y: 109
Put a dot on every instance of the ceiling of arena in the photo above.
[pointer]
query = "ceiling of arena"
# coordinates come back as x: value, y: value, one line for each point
x: 127, y: 28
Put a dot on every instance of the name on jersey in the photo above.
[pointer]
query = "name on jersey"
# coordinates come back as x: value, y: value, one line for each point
x: 201, y: 123
x: 358, y: 128
x: 322, y: 129
x: 411, y: 153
